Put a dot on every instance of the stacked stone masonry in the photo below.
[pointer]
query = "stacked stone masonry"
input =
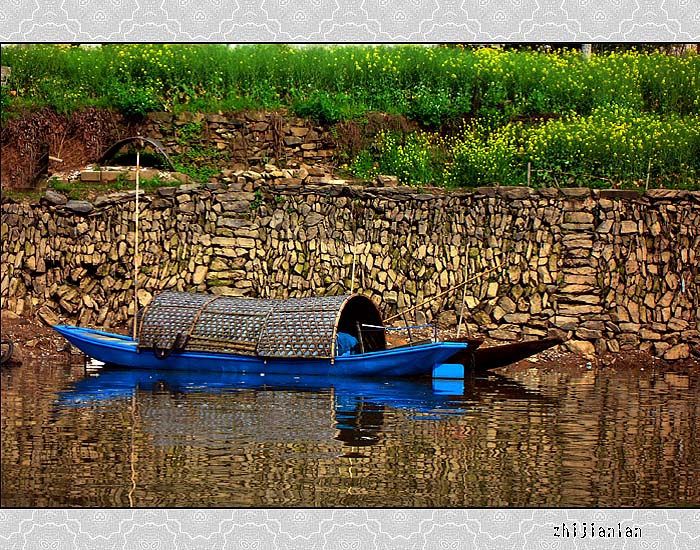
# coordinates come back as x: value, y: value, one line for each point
x: 250, y: 139
x: 608, y: 270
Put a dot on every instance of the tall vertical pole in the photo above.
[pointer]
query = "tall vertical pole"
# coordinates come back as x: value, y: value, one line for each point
x: 136, y: 246
x: 352, y: 275
x: 461, y: 310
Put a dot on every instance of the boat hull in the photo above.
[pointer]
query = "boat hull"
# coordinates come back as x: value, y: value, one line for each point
x: 123, y: 351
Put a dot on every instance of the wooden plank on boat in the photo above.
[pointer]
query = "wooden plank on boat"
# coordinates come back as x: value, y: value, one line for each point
x: 493, y: 357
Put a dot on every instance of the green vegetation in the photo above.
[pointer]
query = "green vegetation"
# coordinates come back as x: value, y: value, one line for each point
x: 428, y: 84
x: 83, y: 190
x: 615, y: 120
x: 611, y: 147
x: 199, y: 163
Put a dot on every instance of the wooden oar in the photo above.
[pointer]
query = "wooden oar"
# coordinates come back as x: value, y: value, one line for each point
x: 474, y: 278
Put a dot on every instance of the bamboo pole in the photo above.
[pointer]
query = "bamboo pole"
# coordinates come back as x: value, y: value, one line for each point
x: 474, y: 278
x: 354, y: 259
x: 646, y: 185
x: 136, y: 246
x: 461, y: 311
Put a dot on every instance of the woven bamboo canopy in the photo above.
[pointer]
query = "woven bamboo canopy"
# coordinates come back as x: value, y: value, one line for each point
x: 295, y: 327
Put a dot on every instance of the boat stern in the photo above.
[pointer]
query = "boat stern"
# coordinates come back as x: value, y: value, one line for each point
x: 448, y: 370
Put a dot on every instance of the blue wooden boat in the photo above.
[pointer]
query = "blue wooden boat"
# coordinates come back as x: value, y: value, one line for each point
x: 328, y: 336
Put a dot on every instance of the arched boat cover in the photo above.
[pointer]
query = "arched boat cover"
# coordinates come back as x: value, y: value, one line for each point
x: 295, y: 327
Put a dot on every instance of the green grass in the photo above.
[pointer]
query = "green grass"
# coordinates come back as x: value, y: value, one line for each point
x: 427, y: 84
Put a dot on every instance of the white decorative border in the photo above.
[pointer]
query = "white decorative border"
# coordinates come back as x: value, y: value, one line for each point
x: 346, y: 21
x: 361, y: 529
x: 350, y: 20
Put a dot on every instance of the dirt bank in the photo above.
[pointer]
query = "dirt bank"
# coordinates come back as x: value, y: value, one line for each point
x: 34, y: 340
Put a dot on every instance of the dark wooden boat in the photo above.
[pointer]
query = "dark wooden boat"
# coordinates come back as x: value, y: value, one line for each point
x: 479, y: 358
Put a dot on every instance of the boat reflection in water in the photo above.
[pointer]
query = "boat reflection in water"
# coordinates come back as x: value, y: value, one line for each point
x: 579, y: 437
x: 358, y: 406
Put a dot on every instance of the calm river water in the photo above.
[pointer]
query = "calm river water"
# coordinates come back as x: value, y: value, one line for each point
x: 73, y: 437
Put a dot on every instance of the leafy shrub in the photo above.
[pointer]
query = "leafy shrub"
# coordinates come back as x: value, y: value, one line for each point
x: 322, y: 107
x: 364, y: 165
x: 5, y: 100
x: 415, y: 158
x: 133, y: 100
x: 429, y: 107
x: 482, y: 157
x: 200, y: 163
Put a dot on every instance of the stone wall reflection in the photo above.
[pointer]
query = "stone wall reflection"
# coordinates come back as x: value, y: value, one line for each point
x: 595, y: 439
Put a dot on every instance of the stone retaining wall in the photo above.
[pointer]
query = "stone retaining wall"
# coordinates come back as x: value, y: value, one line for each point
x: 249, y: 139
x: 610, y: 270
